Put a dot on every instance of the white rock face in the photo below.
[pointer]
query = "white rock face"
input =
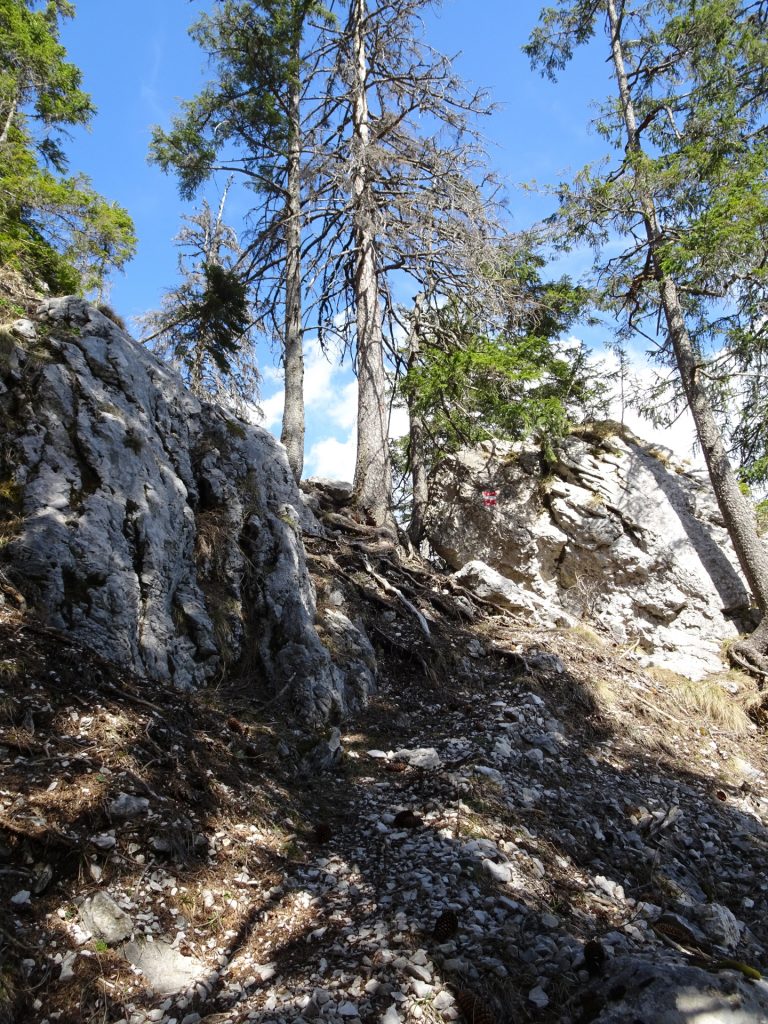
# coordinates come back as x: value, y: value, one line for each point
x: 614, y: 532
x: 498, y: 590
x: 160, y: 530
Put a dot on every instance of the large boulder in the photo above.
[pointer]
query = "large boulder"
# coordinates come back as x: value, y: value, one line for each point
x: 672, y: 993
x: 611, y: 530
x: 162, y: 531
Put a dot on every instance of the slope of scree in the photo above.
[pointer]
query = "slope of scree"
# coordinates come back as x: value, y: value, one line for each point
x: 520, y: 826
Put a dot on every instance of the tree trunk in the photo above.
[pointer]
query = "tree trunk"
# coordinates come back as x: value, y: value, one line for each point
x: 735, y: 508
x: 419, y: 478
x: 12, y: 106
x: 373, y: 474
x: 292, y: 435
x: 196, y: 369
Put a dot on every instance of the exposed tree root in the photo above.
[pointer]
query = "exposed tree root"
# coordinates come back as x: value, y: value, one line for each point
x: 744, y: 656
x: 751, y: 654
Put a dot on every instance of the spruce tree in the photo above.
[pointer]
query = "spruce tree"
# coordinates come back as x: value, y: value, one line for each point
x: 248, y: 120
x: 471, y: 378
x: 53, y: 228
x: 689, y: 196
x: 404, y: 198
x: 205, y: 324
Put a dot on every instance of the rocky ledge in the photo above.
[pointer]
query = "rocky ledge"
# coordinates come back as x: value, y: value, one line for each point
x: 610, y: 530
x: 160, y: 530
x: 522, y: 826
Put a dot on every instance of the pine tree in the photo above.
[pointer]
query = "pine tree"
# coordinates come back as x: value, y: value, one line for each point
x: 404, y: 194
x: 472, y: 378
x: 205, y: 324
x: 690, y: 196
x: 248, y: 120
x: 54, y: 228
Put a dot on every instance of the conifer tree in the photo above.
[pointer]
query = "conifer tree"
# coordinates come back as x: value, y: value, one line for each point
x: 689, y: 196
x: 471, y: 377
x: 205, y: 324
x: 248, y: 120
x: 54, y: 228
x: 403, y: 190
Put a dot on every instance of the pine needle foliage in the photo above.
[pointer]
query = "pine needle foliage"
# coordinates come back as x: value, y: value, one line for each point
x: 517, y: 380
x: 205, y: 324
x: 53, y: 227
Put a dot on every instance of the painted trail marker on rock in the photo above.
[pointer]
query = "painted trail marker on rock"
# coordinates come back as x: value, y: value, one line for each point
x: 489, y: 499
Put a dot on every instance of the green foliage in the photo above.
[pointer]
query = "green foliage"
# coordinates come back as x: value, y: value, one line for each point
x: 520, y: 381
x: 205, y: 323
x: 697, y: 74
x: 35, y: 76
x: 53, y: 227
x: 207, y: 318
x: 219, y: 312
x: 252, y: 46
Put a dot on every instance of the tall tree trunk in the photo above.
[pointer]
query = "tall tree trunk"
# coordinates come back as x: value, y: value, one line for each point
x: 416, y: 431
x: 736, y: 510
x: 8, y: 120
x: 196, y: 368
x: 373, y: 474
x: 292, y: 434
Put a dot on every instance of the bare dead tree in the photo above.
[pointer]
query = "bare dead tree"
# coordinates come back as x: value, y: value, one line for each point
x: 402, y: 195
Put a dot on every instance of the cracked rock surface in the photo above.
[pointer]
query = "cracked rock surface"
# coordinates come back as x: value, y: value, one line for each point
x: 612, y: 530
x: 160, y: 530
x: 522, y: 825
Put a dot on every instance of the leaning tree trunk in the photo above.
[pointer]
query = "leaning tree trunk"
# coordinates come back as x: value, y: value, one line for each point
x: 196, y: 367
x: 736, y: 510
x: 373, y: 474
x: 292, y: 434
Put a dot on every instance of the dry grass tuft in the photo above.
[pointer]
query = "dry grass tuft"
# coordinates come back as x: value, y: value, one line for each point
x: 583, y: 633
x: 707, y: 698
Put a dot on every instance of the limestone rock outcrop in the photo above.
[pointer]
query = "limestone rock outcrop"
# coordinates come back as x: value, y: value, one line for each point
x: 161, y: 531
x: 613, y: 531
x: 636, y: 990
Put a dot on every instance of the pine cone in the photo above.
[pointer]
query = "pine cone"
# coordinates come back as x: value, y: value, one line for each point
x: 594, y: 957
x: 323, y: 832
x: 475, y: 1010
x: 406, y: 819
x: 395, y: 766
x: 446, y: 926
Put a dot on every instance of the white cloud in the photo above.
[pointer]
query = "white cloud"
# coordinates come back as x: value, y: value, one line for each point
x: 330, y: 400
x: 332, y: 458
x: 344, y: 408
x: 318, y: 376
x: 272, y: 410
x: 273, y: 374
x: 679, y: 436
x: 399, y: 423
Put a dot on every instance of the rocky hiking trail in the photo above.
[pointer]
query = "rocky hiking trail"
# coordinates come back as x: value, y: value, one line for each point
x: 522, y: 825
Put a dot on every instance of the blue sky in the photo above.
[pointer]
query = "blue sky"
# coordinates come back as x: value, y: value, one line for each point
x: 138, y: 64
